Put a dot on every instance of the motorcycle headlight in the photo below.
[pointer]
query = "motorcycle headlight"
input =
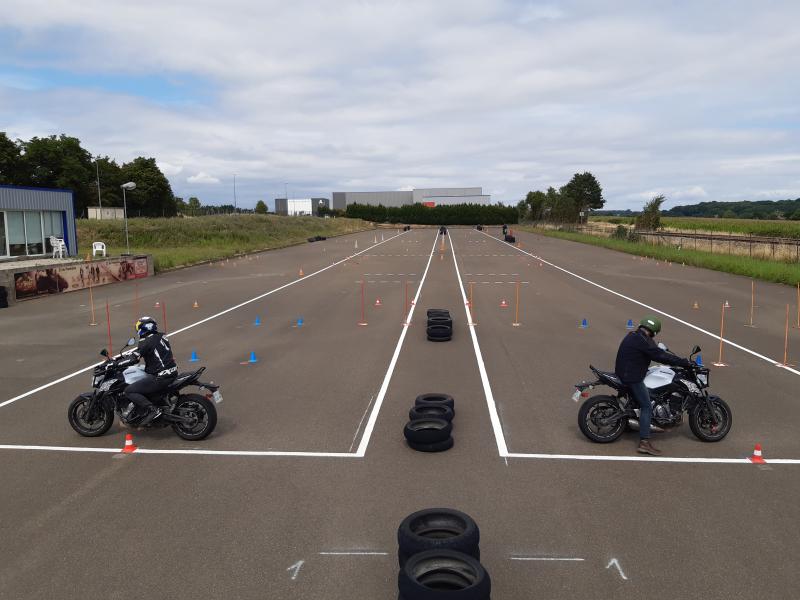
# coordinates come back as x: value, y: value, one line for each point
x: 703, y: 378
x: 106, y: 385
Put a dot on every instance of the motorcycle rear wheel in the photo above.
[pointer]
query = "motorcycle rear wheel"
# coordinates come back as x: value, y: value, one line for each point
x: 701, y: 424
x: 601, y: 407
x: 203, y: 414
x: 76, y: 414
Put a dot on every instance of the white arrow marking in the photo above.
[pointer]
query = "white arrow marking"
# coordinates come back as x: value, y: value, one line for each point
x: 296, y: 568
x: 614, y: 562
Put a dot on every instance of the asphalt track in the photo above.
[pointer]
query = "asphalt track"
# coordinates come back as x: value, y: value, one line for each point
x: 299, y: 492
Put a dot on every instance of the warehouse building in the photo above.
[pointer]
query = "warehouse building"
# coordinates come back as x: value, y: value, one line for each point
x: 30, y: 216
x: 298, y: 207
x: 427, y: 196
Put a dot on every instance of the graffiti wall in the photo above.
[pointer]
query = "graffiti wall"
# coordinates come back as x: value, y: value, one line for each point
x: 77, y: 276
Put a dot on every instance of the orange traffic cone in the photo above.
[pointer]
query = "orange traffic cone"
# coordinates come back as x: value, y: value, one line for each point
x: 157, y: 304
x: 696, y: 305
x: 301, y: 274
x: 727, y: 304
x: 378, y: 302
x: 503, y: 303
x: 129, y: 448
x: 757, y: 458
x: 195, y: 305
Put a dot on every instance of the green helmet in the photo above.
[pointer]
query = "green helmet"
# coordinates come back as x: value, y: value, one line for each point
x: 651, y: 323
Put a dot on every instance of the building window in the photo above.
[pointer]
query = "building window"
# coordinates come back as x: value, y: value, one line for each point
x: 53, y: 226
x: 16, y: 233
x: 3, y: 251
x: 33, y: 232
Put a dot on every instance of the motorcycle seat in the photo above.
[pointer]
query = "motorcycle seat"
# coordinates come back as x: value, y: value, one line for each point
x: 182, y: 378
x: 609, y: 377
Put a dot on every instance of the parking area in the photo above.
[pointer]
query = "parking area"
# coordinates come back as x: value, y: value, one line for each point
x: 299, y: 492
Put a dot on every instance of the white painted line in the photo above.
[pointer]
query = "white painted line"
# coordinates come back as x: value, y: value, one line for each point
x: 181, y: 330
x: 181, y: 451
x: 654, y: 309
x: 487, y: 388
x: 665, y: 459
x: 546, y: 558
x: 354, y: 553
x: 373, y: 417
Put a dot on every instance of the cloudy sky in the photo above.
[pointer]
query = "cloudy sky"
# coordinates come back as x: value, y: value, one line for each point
x: 695, y: 100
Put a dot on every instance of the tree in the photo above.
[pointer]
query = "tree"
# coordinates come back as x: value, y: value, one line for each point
x: 536, y: 202
x: 583, y: 193
x: 153, y: 195
x: 261, y: 208
x: 193, y: 205
x: 11, y: 164
x: 650, y: 219
x: 110, y: 181
x: 60, y: 162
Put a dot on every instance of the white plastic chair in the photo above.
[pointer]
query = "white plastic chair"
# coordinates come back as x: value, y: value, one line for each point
x: 59, y: 247
x: 98, y: 247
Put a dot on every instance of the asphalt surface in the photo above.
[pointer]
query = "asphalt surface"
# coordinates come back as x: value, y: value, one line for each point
x: 101, y: 524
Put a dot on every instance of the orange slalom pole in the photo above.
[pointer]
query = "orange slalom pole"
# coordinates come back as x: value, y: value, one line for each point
x: 516, y: 309
x: 108, y: 323
x: 91, y: 303
x: 363, y: 320
x: 752, y: 302
x: 164, y: 314
x: 471, y: 305
x: 786, y: 340
x: 719, y: 363
x: 798, y: 305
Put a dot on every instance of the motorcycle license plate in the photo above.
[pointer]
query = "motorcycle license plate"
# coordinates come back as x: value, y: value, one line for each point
x: 217, y: 397
x: 576, y: 396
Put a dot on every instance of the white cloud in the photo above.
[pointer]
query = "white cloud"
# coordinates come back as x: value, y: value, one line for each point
x: 384, y: 95
x: 203, y: 178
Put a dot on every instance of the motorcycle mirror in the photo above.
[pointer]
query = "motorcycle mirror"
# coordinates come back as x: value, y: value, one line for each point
x: 104, y: 352
x: 696, y: 349
x: 131, y: 342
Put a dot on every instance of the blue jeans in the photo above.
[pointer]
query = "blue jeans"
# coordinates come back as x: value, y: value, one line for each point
x: 642, y: 397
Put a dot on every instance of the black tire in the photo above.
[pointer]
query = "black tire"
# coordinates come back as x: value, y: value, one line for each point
x: 440, y: 339
x: 437, y: 574
x: 435, y: 447
x: 428, y: 431
x: 439, y: 331
x: 595, y: 409
x: 312, y: 239
x: 435, y: 398
x: 100, y: 424
x: 204, y: 415
x: 438, y: 312
x: 437, y: 529
x: 436, y: 410
x: 703, y: 427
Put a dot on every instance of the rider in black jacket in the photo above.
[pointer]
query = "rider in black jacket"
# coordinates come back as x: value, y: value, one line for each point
x: 635, y: 352
x: 159, y: 366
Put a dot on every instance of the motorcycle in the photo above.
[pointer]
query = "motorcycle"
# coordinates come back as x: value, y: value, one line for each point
x: 673, y: 392
x: 192, y: 416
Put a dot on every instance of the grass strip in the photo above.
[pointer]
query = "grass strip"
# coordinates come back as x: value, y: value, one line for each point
x: 182, y: 242
x: 776, y: 272
x: 758, y: 227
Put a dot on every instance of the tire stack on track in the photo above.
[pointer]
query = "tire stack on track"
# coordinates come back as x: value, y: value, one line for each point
x: 440, y: 325
x: 510, y: 239
x: 430, y: 425
x: 439, y: 555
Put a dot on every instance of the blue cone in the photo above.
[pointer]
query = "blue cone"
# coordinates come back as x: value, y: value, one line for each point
x: 258, y: 321
x: 584, y: 324
x: 300, y: 322
x: 194, y: 357
x: 699, y: 360
x: 630, y: 324
x: 253, y: 358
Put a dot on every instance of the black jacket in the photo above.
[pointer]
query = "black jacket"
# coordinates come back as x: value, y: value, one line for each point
x: 157, y: 354
x: 635, y: 353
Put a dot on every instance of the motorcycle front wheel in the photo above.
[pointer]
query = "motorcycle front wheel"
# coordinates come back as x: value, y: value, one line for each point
x: 601, y: 419
x: 89, y: 425
x: 201, y: 414
x: 711, y: 425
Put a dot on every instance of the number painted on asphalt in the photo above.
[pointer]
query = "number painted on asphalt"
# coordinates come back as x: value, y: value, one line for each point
x: 295, y: 568
x: 615, y: 563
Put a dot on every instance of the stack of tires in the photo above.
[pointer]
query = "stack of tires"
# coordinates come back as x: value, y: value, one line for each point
x: 479, y: 227
x: 510, y: 239
x: 440, y: 325
x: 439, y: 555
x: 407, y: 228
x: 430, y: 423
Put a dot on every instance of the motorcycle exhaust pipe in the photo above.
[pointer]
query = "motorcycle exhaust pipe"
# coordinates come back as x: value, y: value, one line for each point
x: 634, y: 424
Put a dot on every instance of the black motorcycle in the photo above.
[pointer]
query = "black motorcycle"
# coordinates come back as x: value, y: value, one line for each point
x: 673, y: 392
x: 192, y: 416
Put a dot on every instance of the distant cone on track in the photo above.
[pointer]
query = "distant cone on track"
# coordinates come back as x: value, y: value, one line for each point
x: 696, y: 305
x: 756, y: 458
x: 503, y: 303
x: 378, y: 302
x: 195, y: 305
x: 129, y: 448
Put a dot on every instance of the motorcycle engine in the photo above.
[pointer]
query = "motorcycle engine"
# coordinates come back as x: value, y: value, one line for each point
x: 667, y: 410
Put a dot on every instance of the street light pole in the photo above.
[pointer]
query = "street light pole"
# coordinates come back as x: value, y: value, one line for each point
x: 126, y: 186
x: 99, y: 199
x: 234, y: 193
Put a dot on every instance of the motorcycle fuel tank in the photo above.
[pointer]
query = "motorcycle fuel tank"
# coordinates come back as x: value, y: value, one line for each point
x: 658, y: 377
x: 134, y: 373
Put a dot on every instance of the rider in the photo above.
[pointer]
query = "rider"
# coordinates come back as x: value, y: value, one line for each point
x: 635, y: 352
x: 159, y: 366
